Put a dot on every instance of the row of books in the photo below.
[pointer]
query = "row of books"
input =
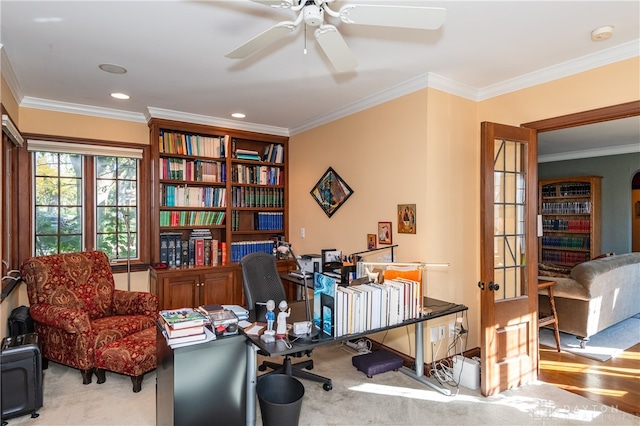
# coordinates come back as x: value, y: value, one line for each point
x: 340, y: 311
x: 192, y: 196
x: 273, y: 153
x: 566, y: 242
x: 196, y: 145
x: 567, y: 190
x: 201, y: 249
x: 572, y: 225
x: 240, y: 249
x: 258, y: 175
x: 191, y: 218
x: 248, y: 196
x: 263, y: 221
x: 192, y: 170
x: 578, y: 207
x: 563, y: 257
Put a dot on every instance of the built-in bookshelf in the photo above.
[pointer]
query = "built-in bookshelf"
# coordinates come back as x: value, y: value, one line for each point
x: 217, y: 195
x: 570, y: 210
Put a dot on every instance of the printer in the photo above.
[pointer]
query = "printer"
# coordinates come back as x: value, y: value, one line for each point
x: 310, y: 263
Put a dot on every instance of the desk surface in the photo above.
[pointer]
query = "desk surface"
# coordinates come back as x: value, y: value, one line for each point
x: 439, y: 308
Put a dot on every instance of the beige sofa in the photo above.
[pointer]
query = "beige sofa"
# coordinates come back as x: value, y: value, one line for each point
x: 597, y: 294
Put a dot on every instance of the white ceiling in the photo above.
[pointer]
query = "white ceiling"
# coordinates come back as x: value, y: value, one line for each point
x: 174, y: 54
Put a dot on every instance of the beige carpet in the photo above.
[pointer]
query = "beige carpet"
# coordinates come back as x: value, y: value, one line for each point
x: 386, y: 399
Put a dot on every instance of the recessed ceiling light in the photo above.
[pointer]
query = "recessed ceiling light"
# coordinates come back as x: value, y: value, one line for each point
x: 238, y: 115
x: 120, y: 96
x: 602, y: 33
x: 112, y: 68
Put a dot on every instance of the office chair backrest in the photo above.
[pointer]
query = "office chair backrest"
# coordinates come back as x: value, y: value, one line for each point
x: 260, y: 279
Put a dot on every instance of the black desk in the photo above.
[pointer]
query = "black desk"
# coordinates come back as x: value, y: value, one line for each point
x: 438, y: 309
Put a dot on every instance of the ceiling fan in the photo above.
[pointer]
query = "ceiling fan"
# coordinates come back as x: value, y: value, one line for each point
x: 312, y: 12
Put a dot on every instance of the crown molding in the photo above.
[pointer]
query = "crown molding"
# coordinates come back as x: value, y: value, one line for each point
x: 417, y: 83
x: 116, y: 114
x: 588, y: 153
x: 428, y: 80
x: 618, y: 53
x: 167, y: 114
x: 10, y: 76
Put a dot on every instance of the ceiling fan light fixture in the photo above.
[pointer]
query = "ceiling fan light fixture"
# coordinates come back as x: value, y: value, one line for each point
x: 602, y: 33
x: 313, y: 15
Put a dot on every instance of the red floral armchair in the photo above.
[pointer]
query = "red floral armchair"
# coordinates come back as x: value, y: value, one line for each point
x: 76, y: 308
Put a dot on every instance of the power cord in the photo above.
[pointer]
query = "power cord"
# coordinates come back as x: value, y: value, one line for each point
x: 362, y: 346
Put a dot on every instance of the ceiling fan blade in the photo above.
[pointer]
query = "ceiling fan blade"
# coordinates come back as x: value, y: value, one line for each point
x: 284, y: 4
x: 426, y: 18
x: 262, y: 40
x: 335, y: 48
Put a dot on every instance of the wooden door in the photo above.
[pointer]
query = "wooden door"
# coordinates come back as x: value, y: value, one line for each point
x: 179, y: 291
x: 508, y: 284
x: 218, y: 287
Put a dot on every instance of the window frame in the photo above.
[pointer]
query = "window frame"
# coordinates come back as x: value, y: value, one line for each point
x: 89, y: 209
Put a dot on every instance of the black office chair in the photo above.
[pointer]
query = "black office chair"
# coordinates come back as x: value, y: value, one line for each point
x: 261, y: 282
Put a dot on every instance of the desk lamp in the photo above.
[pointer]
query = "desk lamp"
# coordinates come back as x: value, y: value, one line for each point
x: 285, y: 248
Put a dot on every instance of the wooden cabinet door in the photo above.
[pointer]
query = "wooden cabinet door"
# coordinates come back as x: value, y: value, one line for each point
x: 180, y: 291
x: 217, y: 287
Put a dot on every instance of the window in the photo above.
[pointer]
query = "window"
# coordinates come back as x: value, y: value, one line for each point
x: 58, y: 203
x: 84, y: 200
x: 116, y: 200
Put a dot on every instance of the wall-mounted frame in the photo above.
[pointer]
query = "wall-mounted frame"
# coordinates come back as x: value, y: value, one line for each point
x: 330, y: 192
x: 406, y: 218
x: 384, y: 233
x: 371, y: 242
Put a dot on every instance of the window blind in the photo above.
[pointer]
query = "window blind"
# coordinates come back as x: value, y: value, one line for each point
x: 83, y: 149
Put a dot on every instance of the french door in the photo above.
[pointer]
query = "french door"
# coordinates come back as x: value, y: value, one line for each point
x: 508, y: 283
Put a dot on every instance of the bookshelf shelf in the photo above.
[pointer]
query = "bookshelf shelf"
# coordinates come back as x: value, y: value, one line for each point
x: 570, y: 209
x: 230, y: 184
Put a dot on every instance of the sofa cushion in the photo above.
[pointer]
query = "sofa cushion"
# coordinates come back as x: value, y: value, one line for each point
x: 567, y: 288
x: 585, y: 273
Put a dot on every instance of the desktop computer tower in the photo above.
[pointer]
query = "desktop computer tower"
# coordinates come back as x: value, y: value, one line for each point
x: 21, y: 376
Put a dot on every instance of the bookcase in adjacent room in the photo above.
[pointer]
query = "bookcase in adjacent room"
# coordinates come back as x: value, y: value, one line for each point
x: 217, y: 194
x: 571, y: 210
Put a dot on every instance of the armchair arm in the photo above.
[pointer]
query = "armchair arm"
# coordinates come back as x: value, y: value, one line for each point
x: 135, y: 303
x: 68, y: 320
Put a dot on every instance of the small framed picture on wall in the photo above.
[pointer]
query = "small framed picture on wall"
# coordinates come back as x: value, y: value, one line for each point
x: 384, y: 232
x: 371, y: 241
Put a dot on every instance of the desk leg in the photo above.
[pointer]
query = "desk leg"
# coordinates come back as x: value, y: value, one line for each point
x: 418, y: 374
x: 251, y: 383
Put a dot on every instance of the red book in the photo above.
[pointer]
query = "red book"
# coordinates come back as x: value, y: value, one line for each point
x: 199, y: 252
x: 223, y: 249
x: 181, y: 332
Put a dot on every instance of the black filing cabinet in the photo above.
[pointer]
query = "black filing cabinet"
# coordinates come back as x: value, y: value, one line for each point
x: 203, y: 383
x: 21, y: 376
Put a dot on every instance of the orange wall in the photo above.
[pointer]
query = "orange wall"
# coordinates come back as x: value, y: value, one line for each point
x: 424, y: 148
x: 82, y: 126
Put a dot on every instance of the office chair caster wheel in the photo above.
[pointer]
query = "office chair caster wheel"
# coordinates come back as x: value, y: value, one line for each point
x: 262, y: 367
x: 327, y: 387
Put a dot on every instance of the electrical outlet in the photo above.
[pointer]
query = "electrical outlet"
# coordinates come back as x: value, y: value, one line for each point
x: 434, y: 334
x: 452, y: 330
x: 441, y: 332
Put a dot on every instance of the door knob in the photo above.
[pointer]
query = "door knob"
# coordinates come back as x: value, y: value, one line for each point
x: 481, y: 285
x: 494, y: 286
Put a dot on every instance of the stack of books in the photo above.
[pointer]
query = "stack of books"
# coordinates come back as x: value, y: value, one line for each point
x: 183, y: 325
